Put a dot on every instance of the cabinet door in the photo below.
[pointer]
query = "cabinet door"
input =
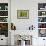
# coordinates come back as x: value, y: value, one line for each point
x: 41, y: 41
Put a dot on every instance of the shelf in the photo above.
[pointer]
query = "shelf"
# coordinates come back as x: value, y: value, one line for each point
x: 3, y: 16
x: 41, y: 10
x: 3, y: 22
x: 41, y: 22
x: 42, y: 16
x: 3, y: 10
x: 41, y: 28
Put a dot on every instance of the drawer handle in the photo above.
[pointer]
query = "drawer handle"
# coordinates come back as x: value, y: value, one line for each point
x: 43, y: 39
x: 1, y: 39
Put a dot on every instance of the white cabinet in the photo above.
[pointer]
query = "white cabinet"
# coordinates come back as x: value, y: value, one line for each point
x: 3, y: 40
x: 41, y: 41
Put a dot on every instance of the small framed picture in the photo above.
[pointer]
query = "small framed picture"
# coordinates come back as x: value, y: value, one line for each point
x: 22, y: 14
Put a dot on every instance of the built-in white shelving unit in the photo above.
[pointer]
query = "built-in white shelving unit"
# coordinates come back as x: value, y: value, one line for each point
x: 42, y: 19
x: 4, y: 19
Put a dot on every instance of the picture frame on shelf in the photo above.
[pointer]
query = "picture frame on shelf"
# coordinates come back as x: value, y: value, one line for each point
x: 42, y: 32
x: 22, y: 14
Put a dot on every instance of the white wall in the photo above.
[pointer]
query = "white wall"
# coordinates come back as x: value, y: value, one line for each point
x: 23, y: 24
x: 32, y: 6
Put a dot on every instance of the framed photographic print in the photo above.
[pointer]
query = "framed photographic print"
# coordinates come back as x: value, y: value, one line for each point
x: 23, y: 14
